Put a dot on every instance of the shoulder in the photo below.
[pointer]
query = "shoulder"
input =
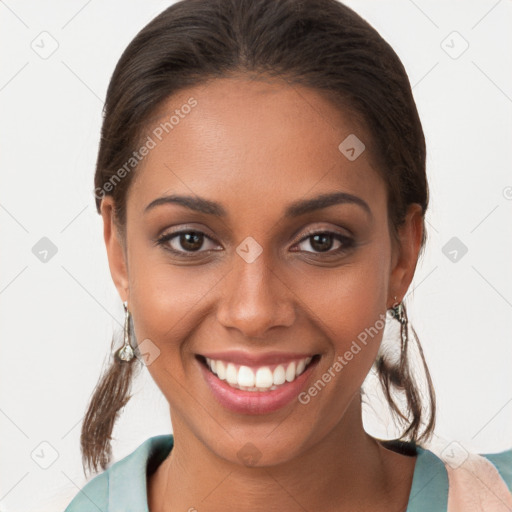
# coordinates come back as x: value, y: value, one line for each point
x: 454, y: 455
x: 502, y: 461
x: 481, y: 481
x: 462, y: 478
x: 93, y: 495
x: 450, y: 471
x: 124, y: 482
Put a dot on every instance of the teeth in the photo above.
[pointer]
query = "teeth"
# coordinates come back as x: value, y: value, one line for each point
x: 264, y: 378
x: 245, y: 377
x: 279, y: 375
x: 290, y: 372
x: 257, y: 379
x: 219, y: 369
x: 231, y: 372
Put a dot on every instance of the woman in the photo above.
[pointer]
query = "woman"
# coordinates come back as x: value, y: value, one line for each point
x: 261, y: 179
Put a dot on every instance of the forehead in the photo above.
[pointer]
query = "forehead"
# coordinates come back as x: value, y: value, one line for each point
x: 253, y: 144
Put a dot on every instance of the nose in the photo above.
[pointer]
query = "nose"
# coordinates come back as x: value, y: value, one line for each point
x: 257, y: 299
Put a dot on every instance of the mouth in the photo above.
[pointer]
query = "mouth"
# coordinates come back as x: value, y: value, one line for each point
x: 256, y: 388
x: 257, y: 378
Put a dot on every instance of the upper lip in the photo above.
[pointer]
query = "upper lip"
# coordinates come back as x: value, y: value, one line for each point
x: 253, y: 359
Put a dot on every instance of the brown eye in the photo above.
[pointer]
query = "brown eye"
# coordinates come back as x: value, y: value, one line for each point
x: 191, y: 241
x: 323, y: 241
x: 185, y: 242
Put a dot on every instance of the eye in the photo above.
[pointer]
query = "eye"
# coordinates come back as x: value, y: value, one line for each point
x: 184, y: 242
x: 323, y: 241
x: 187, y: 242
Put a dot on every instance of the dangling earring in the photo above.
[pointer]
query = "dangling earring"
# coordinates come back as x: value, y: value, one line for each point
x: 398, y: 312
x: 125, y: 353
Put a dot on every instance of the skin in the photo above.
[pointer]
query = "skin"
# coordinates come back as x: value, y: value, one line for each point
x: 292, y: 298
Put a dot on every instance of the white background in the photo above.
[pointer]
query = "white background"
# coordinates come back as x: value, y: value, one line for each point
x: 57, y: 318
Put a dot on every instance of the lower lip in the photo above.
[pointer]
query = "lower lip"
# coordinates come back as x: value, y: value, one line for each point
x: 255, y: 402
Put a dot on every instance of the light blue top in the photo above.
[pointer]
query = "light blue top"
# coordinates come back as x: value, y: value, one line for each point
x: 123, y: 486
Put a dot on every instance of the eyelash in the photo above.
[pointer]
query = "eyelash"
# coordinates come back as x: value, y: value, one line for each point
x: 347, y: 242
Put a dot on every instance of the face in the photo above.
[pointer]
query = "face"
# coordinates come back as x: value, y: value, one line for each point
x: 244, y: 268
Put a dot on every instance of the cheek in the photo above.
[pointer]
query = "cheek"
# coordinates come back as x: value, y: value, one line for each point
x: 164, y: 303
x: 162, y: 297
x: 165, y: 299
x: 351, y: 312
x: 351, y: 299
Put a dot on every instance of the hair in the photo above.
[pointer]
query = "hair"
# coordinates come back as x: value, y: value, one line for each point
x: 320, y: 44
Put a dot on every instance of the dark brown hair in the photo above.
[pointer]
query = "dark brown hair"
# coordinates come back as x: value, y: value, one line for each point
x: 321, y: 44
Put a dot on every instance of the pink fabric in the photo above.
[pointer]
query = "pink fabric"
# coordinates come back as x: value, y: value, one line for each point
x: 476, y: 486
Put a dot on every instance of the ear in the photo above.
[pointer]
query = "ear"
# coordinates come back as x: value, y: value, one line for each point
x: 115, y: 248
x: 405, y: 252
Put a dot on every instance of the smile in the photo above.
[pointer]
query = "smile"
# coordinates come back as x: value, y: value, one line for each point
x: 251, y: 385
x: 263, y: 378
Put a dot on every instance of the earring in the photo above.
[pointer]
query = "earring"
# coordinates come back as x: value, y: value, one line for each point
x: 398, y: 312
x: 125, y: 353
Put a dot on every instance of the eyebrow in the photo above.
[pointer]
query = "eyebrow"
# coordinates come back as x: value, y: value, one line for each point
x: 294, y: 209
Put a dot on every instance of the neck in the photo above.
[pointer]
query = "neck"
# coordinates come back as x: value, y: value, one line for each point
x: 346, y: 470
